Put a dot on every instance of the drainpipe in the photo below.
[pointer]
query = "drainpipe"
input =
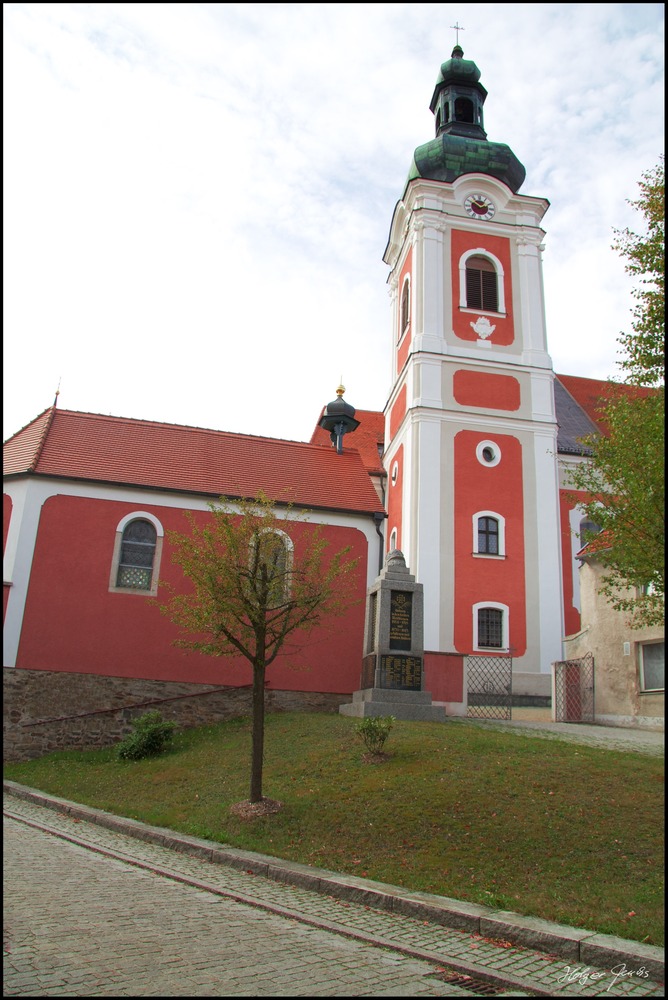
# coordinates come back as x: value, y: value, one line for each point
x: 379, y: 518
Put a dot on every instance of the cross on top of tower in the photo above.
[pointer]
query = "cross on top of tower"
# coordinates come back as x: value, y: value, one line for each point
x: 457, y: 27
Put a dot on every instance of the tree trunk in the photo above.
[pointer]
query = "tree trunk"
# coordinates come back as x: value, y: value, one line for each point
x: 257, y: 754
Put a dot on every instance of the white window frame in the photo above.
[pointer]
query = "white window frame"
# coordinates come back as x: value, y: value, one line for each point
x: 500, y: 282
x: 137, y: 515
x: 641, y: 666
x: 289, y: 549
x: 501, y: 521
x: 505, y: 627
x: 494, y: 448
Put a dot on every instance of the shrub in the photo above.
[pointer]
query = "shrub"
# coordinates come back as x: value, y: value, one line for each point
x: 151, y: 736
x: 373, y: 731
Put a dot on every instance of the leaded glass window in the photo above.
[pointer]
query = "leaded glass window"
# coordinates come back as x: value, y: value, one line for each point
x: 488, y: 536
x: 135, y: 566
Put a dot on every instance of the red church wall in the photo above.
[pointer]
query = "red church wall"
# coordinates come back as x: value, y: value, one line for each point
x: 404, y: 339
x: 572, y: 620
x: 73, y: 623
x: 499, y: 246
x: 495, y: 392
x: 479, y: 578
x: 394, y: 499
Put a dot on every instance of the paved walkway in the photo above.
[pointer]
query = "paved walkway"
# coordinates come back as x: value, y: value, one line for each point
x: 93, y: 909
x: 645, y: 741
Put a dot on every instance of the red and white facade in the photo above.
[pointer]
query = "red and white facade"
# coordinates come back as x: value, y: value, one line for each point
x: 475, y: 441
x: 471, y: 429
x: 75, y: 481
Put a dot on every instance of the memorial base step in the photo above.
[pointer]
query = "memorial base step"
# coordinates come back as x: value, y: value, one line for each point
x: 409, y: 706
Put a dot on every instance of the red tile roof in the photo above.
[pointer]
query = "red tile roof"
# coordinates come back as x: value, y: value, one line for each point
x: 120, y: 450
x: 590, y: 393
x: 365, y: 439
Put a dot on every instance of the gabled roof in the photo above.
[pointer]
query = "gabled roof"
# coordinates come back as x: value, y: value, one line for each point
x: 573, y: 422
x: 142, y: 453
x: 367, y: 439
x: 578, y: 404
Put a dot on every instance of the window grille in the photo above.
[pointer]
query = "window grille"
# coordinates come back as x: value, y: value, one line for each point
x: 481, y: 285
x: 490, y: 628
x: 135, y: 566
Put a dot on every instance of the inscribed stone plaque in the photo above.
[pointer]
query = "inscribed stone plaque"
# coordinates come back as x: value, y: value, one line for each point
x: 401, y: 672
x: 401, y: 615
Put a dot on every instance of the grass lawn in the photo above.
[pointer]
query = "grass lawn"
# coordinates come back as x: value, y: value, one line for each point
x: 546, y: 828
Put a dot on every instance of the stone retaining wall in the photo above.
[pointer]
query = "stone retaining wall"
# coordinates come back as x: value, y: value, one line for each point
x: 47, y: 710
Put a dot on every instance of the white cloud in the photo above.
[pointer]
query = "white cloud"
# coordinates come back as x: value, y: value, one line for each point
x: 198, y: 197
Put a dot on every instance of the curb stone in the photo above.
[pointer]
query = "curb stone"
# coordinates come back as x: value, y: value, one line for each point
x: 574, y: 944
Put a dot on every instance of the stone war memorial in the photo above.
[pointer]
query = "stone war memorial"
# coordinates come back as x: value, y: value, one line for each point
x: 392, y: 668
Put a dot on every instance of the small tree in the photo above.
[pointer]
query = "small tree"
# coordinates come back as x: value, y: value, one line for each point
x: 252, y: 587
x: 623, y: 481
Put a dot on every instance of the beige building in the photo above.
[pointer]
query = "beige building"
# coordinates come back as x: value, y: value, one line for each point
x: 629, y: 664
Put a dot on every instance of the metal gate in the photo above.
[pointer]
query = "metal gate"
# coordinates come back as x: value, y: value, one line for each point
x: 574, y: 690
x: 489, y: 687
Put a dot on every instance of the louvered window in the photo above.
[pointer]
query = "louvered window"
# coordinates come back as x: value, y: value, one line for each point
x: 490, y: 628
x: 135, y: 566
x: 488, y: 536
x: 481, y: 285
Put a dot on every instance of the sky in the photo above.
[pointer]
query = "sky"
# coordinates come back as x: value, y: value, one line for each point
x: 198, y: 197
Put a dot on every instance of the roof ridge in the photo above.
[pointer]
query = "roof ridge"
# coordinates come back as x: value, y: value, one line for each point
x: 187, y: 427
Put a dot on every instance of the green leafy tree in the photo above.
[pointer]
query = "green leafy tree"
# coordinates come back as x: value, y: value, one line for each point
x: 623, y: 481
x: 645, y: 254
x: 251, y: 587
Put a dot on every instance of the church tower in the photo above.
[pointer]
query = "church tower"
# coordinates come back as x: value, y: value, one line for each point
x: 471, y: 433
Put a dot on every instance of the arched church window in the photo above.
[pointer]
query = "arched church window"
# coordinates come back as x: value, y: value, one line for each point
x: 489, y: 533
x: 271, y: 561
x: 481, y: 284
x: 405, y: 307
x: 135, y: 565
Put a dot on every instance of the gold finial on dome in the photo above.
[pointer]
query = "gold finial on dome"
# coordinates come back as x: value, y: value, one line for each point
x: 340, y: 391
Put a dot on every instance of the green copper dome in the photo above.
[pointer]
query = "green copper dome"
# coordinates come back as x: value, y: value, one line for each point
x: 460, y: 69
x: 461, y: 145
x: 447, y: 157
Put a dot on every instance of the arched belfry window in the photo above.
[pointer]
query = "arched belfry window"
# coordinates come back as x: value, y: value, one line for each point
x: 481, y: 282
x: 481, y: 285
x: 405, y: 307
x: 464, y: 110
x: 136, y: 560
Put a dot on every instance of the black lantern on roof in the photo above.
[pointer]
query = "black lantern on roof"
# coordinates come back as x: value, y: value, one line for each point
x: 338, y: 419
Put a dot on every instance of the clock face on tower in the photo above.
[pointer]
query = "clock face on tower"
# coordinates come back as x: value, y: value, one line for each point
x: 479, y: 206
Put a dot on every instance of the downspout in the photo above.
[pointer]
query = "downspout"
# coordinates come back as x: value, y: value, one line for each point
x: 379, y: 518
